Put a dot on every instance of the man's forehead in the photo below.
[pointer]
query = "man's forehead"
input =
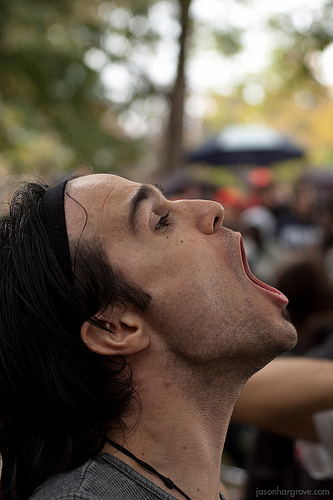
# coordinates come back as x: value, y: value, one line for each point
x: 90, y: 184
x: 92, y: 196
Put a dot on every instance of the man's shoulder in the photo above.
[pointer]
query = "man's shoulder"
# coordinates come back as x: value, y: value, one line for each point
x: 72, y: 484
x: 103, y: 477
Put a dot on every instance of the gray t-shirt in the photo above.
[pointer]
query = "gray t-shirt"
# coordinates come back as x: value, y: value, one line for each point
x: 104, y: 477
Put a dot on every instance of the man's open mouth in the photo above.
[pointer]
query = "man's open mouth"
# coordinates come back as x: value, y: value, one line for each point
x: 278, y: 296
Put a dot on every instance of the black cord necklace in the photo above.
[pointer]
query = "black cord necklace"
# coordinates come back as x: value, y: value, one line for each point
x: 167, y: 481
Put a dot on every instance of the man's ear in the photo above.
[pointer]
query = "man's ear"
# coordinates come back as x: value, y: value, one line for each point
x: 122, y: 333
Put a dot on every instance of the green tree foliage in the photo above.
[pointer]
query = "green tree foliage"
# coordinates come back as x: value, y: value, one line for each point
x: 53, y: 109
x: 303, y: 35
x: 78, y: 82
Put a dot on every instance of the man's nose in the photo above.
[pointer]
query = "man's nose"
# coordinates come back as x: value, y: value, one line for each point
x: 208, y: 215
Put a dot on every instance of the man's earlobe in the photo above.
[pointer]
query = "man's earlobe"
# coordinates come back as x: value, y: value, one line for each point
x: 122, y: 334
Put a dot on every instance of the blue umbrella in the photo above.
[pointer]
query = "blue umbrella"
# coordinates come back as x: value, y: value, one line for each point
x: 246, y: 144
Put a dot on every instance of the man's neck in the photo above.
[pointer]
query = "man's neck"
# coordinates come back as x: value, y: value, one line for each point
x: 180, y: 435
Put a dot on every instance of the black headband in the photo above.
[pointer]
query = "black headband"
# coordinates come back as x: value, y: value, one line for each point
x: 53, y: 215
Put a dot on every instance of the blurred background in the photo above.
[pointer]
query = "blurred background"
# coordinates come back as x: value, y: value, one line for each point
x: 230, y: 100
x: 135, y: 86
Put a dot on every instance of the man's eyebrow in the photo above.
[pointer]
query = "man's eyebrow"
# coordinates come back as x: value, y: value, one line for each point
x: 144, y: 192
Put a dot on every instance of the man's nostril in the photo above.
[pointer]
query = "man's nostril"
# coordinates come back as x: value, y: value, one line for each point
x: 216, y: 221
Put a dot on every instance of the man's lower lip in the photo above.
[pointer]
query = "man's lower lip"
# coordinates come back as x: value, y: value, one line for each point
x: 275, y: 294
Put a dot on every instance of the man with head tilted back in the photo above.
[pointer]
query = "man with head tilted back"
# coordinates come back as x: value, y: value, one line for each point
x: 129, y: 325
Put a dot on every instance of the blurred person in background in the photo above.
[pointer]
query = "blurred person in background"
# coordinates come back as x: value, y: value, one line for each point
x: 291, y: 402
x: 265, y: 191
x: 299, y: 227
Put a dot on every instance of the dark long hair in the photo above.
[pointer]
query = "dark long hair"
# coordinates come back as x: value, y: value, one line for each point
x: 57, y: 398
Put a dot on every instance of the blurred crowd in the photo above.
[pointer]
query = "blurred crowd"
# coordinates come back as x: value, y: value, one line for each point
x: 280, y: 223
x: 288, y: 237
